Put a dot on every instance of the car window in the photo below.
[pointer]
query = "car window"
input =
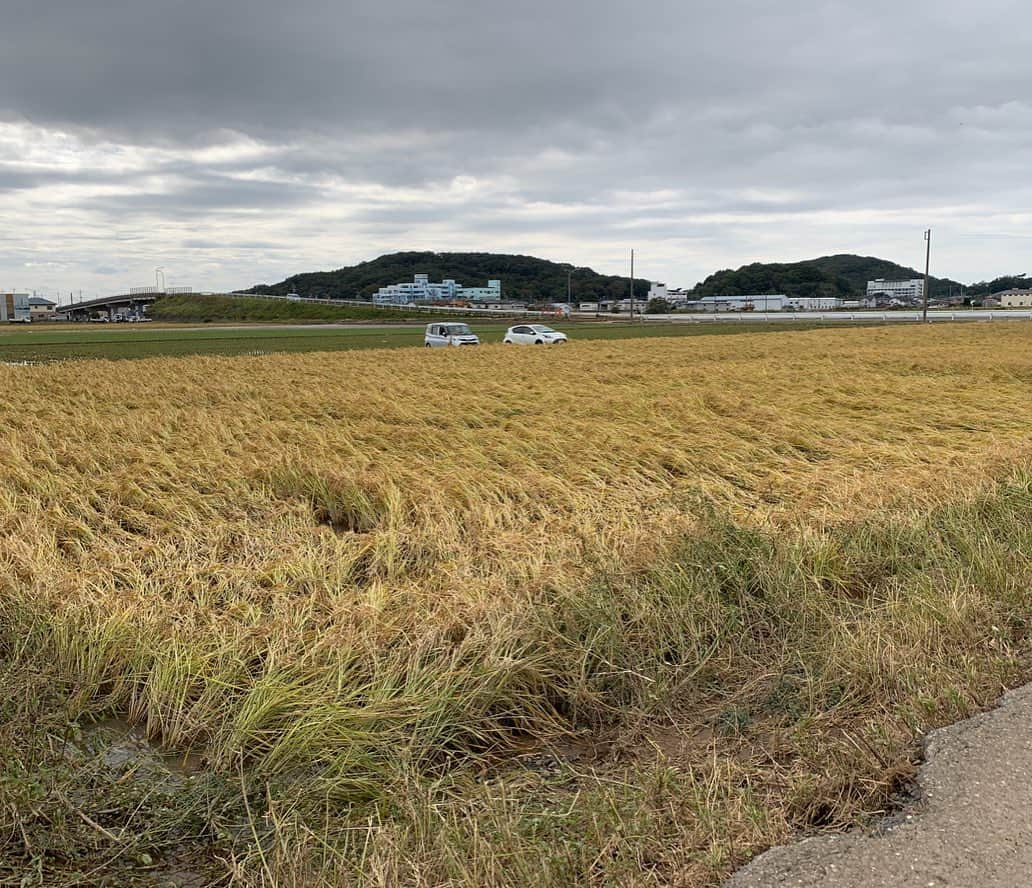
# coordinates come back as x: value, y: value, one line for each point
x: 523, y: 330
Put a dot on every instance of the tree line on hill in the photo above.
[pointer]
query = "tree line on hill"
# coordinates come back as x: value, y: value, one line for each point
x: 998, y: 285
x: 529, y: 279
x: 844, y: 276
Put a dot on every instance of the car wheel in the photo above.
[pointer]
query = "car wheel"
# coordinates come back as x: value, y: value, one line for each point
x: 428, y: 345
x: 559, y: 342
x: 538, y: 342
x: 507, y: 342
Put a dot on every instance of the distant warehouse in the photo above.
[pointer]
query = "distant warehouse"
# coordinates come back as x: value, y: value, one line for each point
x: 815, y: 303
x: 767, y: 302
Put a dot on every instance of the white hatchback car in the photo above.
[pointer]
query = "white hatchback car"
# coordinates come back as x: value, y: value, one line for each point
x: 439, y: 335
x: 533, y: 334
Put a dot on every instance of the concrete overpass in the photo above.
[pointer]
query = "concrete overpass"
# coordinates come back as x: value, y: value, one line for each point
x: 127, y: 303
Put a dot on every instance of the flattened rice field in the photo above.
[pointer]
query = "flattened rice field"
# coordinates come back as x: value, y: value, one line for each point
x: 618, y: 613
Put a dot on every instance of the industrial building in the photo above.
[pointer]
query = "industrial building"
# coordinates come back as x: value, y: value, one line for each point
x: 684, y: 301
x: 1015, y: 298
x: 815, y: 303
x: 764, y: 302
x: 422, y: 289
x: 14, y: 307
x: 611, y: 306
x: 902, y: 292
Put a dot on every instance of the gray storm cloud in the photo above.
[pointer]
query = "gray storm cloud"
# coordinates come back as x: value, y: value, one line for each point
x: 704, y: 134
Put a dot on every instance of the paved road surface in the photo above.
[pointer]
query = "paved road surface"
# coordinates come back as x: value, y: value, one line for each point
x: 845, y: 316
x: 973, y: 828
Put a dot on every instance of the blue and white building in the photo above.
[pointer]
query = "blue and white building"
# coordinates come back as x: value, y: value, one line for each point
x: 422, y: 289
x: 15, y: 307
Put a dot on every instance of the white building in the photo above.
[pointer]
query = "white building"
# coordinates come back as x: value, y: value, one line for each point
x: 900, y: 291
x: 676, y: 297
x: 1015, y: 298
x: 765, y: 302
x: 423, y: 290
x: 815, y: 303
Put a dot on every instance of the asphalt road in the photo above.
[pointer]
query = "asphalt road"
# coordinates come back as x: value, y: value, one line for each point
x: 846, y: 316
x: 972, y: 827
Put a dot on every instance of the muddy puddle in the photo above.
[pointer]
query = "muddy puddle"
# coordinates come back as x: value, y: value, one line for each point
x: 122, y: 746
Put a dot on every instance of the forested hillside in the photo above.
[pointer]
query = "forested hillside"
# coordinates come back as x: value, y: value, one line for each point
x: 523, y: 277
x: 844, y: 275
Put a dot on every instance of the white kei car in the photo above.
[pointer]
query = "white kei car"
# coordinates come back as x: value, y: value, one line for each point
x: 533, y: 334
x: 441, y: 335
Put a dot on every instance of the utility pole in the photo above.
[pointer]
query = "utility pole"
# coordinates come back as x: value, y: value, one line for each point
x: 928, y: 261
x: 569, y: 290
x: 632, y: 285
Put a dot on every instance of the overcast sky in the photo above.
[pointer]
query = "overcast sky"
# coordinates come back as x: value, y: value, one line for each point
x: 240, y: 141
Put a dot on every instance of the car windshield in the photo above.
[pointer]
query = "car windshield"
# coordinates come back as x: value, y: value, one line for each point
x: 459, y: 330
x: 541, y: 328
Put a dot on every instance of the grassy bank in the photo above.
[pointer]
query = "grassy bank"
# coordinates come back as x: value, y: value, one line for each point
x: 628, y: 629
x: 206, y: 309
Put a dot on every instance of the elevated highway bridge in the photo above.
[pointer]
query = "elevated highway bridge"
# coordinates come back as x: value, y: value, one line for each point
x: 107, y: 306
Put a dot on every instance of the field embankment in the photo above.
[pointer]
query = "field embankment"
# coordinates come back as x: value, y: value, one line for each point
x: 610, y: 614
x: 207, y: 309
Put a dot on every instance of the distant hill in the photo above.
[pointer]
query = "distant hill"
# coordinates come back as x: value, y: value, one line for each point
x: 844, y: 275
x: 523, y: 277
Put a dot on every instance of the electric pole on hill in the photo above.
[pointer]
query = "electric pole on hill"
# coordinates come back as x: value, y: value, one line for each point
x: 928, y: 262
